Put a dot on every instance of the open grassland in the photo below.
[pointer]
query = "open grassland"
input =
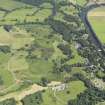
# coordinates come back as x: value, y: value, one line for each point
x: 29, y: 51
x: 22, y: 64
x: 97, y: 19
x: 61, y: 97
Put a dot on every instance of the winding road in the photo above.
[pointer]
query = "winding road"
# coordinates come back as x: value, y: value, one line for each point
x: 83, y: 14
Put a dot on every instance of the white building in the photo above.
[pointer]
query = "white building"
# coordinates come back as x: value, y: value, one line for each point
x: 59, y: 87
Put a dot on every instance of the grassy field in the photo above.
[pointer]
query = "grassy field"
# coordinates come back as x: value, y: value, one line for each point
x: 97, y: 19
x: 60, y: 98
x: 33, y: 46
x: 2, y: 13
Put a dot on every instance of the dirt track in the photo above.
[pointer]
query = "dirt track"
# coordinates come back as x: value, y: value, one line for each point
x: 20, y: 95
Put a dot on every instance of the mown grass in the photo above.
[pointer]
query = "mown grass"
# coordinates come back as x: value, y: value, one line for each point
x: 98, y: 23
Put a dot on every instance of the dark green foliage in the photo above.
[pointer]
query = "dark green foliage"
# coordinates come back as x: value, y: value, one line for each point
x: 64, y: 3
x: 84, y: 79
x: 71, y: 18
x: 90, y: 97
x: 5, y: 49
x: 7, y: 27
x: 62, y: 28
x: 8, y: 102
x: 33, y: 2
x: 34, y: 99
x: 66, y: 68
x: 44, y: 81
x: 65, y: 49
x: 1, y: 81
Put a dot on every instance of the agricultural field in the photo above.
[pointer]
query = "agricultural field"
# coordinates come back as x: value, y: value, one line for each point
x: 97, y: 19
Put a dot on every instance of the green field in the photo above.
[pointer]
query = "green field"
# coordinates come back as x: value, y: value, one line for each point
x: 97, y: 19
x: 61, y: 97
x: 29, y: 52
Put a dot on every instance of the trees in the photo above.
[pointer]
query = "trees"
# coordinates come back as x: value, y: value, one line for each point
x: 33, y: 2
x: 1, y: 81
x: 44, y: 81
x: 8, y: 102
x: 34, y: 99
x: 90, y: 97
x: 66, y: 68
x: 7, y: 27
x: 5, y: 49
x: 62, y: 28
x: 65, y: 49
x: 54, y: 10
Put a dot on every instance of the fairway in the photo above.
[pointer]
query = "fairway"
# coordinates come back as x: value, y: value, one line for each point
x: 61, y: 97
x: 97, y: 19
